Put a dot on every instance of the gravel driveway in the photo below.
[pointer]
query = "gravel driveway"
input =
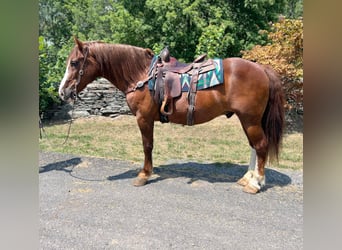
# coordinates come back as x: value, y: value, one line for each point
x: 90, y: 203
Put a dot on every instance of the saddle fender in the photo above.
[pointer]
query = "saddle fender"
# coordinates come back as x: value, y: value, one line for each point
x: 172, y: 89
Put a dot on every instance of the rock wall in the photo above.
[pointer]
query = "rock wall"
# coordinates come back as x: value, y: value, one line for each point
x: 98, y: 98
x: 101, y: 98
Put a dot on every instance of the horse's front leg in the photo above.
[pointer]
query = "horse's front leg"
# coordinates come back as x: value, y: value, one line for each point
x: 146, y: 129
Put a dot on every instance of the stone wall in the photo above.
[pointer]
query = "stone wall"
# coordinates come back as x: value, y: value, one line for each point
x: 98, y: 98
x: 101, y: 98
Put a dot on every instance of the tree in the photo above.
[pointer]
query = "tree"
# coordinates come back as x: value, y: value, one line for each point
x: 293, y: 9
x: 55, y: 22
x: 219, y: 28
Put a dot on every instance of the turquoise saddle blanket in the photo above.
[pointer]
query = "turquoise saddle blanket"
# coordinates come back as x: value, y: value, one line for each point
x: 205, y: 80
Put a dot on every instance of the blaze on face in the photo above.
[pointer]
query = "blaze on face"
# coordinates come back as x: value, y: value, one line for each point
x: 68, y: 84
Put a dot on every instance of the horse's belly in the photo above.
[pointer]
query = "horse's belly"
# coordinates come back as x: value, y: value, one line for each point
x: 208, y: 105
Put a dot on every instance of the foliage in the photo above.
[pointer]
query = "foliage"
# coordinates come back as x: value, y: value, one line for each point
x: 285, y: 55
x: 219, y: 28
x: 55, y: 22
x: 294, y: 9
x: 47, y: 92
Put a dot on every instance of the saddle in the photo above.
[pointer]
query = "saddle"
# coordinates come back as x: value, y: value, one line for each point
x: 168, y: 85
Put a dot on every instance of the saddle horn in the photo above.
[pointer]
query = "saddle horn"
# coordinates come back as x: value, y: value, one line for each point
x: 165, y: 55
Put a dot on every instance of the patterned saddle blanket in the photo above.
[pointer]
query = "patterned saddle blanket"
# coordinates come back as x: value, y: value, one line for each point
x: 205, y: 80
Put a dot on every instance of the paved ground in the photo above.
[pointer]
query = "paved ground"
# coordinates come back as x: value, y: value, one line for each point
x: 89, y: 203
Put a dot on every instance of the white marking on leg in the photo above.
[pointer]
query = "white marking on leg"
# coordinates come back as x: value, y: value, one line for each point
x: 256, y: 166
x: 61, y: 86
x: 256, y: 180
x: 252, y: 162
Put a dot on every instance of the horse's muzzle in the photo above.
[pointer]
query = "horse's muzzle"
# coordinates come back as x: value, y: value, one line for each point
x: 68, y: 95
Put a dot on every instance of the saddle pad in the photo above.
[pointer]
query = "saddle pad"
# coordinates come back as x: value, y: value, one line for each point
x: 152, y: 81
x: 205, y: 80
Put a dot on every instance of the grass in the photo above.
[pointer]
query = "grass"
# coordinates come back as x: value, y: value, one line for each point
x: 220, y: 140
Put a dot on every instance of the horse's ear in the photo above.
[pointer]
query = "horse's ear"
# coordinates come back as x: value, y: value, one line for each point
x: 78, y: 43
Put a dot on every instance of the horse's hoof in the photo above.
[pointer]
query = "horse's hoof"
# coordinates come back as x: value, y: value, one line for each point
x: 243, y: 181
x: 246, y: 178
x: 250, y: 189
x: 138, y: 182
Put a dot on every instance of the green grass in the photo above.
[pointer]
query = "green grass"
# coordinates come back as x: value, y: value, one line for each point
x: 220, y: 140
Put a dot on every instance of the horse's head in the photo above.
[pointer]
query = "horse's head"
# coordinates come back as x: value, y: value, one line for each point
x: 81, y: 69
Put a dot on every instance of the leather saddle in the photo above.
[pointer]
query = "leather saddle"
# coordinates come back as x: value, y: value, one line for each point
x: 168, y: 81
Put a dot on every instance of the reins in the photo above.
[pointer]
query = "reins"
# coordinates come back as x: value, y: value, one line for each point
x: 80, y: 74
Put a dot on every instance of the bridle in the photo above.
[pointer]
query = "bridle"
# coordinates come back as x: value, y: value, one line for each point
x: 81, y: 72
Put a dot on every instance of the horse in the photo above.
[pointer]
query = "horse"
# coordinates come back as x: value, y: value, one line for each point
x: 251, y: 91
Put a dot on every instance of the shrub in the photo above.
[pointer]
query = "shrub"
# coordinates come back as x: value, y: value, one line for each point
x: 285, y: 54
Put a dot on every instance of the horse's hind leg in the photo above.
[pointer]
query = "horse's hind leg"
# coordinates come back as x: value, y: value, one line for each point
x: 146, y: 128
x: 253, y: 180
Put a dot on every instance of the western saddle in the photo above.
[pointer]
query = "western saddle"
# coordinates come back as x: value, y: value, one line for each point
x: 167, y: 72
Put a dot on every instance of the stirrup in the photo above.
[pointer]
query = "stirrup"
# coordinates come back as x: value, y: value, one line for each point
x: 162, y: 108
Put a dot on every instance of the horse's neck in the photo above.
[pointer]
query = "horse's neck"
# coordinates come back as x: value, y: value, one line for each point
x: 122, y: 65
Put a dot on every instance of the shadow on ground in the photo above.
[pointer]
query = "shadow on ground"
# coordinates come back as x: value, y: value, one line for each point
x: 193, y: 171
x: 210, y: 172
x: 61, y: 165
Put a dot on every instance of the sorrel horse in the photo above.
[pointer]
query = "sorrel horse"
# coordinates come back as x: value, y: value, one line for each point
x: 251, y: 91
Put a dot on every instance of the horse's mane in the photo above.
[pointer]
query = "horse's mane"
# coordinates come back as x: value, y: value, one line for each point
x: 123, y: 62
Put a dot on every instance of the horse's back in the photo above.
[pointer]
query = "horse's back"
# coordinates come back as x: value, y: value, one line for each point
x: 243, y: 70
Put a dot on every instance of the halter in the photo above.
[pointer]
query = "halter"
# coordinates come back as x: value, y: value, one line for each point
x: 80, y: 74
x: 81, y: 71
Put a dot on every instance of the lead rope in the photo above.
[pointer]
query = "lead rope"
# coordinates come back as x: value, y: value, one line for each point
x: 42, y: 130
x: 70, y: 122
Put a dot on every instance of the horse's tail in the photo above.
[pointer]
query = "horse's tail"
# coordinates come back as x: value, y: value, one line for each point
x: 273, y: 120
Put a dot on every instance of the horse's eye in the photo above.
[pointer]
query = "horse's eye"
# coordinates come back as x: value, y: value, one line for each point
x: 74, y: 63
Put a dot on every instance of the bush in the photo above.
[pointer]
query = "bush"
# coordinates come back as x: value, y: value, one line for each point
x: 51, y: 70
x: 285, y: 54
